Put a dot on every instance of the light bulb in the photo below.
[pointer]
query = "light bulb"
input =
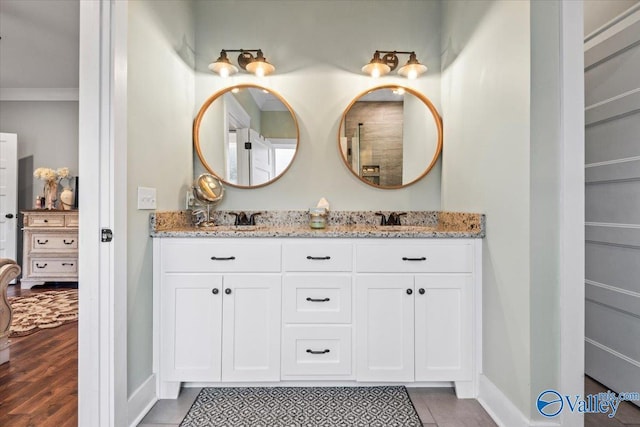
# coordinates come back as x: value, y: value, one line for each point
x: 224, y: 72
x: 375, y: 73
x: 412, y: 74
x: 260, y: 71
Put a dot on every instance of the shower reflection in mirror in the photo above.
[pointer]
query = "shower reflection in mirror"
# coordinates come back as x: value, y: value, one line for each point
x: 390, y: 137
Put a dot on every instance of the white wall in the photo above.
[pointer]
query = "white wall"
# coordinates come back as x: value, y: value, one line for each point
x: 318, y: 48
x: 47, y: 130
x: 486, y: 168
x: 160, y: 113
x: 612, y: 203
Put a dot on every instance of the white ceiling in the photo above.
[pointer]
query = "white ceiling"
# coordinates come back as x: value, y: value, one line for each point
x: 40, y: 43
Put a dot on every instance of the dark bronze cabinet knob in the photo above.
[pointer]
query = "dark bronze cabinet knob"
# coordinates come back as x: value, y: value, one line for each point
x: 227, y: 291
x: 215, y: 291
x: 421, y: 291
x: 409, y: 291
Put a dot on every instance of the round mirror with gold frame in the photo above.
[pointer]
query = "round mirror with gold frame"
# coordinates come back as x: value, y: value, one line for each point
x: 246, y: 135
x: 390, y: 136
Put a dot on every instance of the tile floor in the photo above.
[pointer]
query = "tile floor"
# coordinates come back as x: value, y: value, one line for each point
x: 437, y: 407
x: 628, y: 414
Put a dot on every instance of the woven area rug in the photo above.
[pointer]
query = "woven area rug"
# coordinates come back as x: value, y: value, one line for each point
x: 302, y: 406
x: 43, y: 310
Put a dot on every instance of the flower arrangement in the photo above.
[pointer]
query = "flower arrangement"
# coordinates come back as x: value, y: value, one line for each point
x: 46, y: 174
x: 52, y: 177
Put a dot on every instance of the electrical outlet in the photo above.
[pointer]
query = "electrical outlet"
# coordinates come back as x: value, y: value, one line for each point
x: 146, y: 198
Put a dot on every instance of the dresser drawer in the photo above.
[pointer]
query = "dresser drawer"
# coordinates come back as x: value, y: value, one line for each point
x: 62, y: 267
x: 195, y: 255
x: 316, y: 350
x: 71, y: 220
x: 44, y: 221
x: 316, y: 299
x: 317, y: 256
x: 414, y: 257
x: 44, y: 242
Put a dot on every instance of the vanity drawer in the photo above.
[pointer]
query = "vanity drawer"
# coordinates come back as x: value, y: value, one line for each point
x: 61, y: 267
x: 196, y: 256
x: 316, y: 299
x: 317, y: 256
x: 414, y: 258
x: 43, y: 242
x: 44, y: 221
x: 316, y: 350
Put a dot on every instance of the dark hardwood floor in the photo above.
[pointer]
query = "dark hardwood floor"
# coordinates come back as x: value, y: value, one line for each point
x: 39, y: 385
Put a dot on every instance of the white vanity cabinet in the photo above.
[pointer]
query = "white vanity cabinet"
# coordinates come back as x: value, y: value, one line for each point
x: 219, y: 312
x: 418, y: 325
x: 308, y: 310
x: 317, y: 310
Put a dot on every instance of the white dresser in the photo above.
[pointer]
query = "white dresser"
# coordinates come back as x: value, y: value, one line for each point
x: 304, y: 311
x: 50, y: 247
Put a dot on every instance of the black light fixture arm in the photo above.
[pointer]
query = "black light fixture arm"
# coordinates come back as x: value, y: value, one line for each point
x: 245, y: 57
x: 391, y: 56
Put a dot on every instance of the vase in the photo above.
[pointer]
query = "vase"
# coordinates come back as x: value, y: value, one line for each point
x: 66, y: 199
x: 50, y: 194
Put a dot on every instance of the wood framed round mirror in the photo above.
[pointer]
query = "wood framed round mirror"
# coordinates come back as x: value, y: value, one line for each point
x: 390, y: 136
x: 246, y: 135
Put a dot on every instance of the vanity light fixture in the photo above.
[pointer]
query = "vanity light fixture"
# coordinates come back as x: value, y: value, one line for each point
x: 257, y: 64
x: 379, y: 66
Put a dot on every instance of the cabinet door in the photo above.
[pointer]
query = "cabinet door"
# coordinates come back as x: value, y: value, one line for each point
x: 190, y: 327
x: 251, y: 328
x: 384, y: 337
x: 443, y: 327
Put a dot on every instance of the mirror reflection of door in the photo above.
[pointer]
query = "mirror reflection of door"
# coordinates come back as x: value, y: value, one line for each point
x: 246, y: 135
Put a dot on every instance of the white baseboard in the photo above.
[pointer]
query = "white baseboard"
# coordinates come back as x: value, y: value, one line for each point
x: 141, y: 401
x: 501, y: 409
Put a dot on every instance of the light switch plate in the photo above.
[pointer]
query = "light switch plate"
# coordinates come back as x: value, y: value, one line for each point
x: 146, y: 198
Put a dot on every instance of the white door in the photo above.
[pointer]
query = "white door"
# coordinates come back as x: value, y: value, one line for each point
x: 251, y: 328
x: 262, y: 169
x: 384, y: 336
x: 444, y: 313
x: 190, y: 333
x: 8, y: 194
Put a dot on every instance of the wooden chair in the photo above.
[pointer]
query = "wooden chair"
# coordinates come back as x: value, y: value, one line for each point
x: 9, y: 270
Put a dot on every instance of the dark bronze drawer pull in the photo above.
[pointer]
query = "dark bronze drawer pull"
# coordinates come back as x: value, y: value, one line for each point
x: 67, y: 243
x: 404, y: 258
x: 42, y: 242
x: 229, y: 258
x: 41, y: 266
x: 46, y: 220
x: 318, y: 351
x: 318, y: 258
x: 318, y: 300
x: 67, y: 264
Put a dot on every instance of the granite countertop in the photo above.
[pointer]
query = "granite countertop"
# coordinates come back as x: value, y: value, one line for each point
x: 340, y: 224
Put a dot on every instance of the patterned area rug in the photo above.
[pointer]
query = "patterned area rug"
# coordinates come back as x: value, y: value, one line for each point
x: 43, y: 310
x: 302, y: 406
